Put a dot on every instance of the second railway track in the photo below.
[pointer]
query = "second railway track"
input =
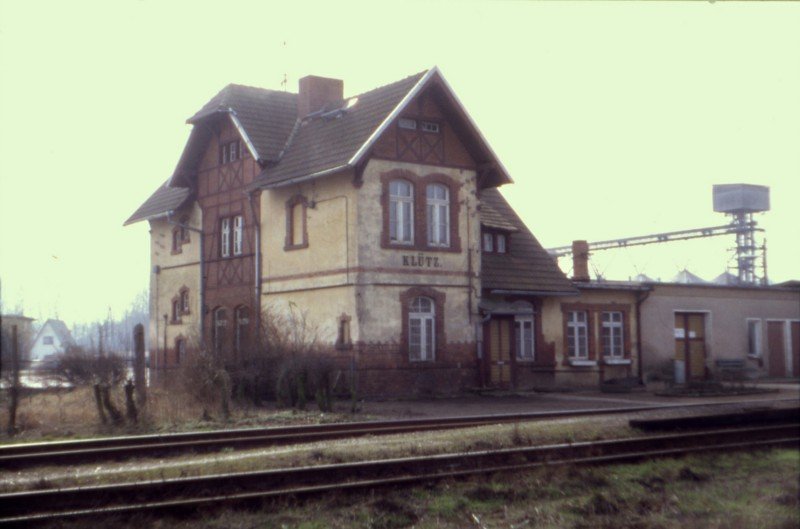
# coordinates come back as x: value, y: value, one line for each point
x: 182, y: 494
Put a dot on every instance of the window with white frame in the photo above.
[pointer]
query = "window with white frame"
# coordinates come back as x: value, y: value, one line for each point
x: 488, y: 242
x: 238, y: 229
x: 611, y: 333
x: 421, y: 329
x: 577, y: 334
x: 523, y: 333
x: 401, y: 212
x: 438, y: 203
x: 225, y: 237
x: 754, y: 337
x: 501, y: 243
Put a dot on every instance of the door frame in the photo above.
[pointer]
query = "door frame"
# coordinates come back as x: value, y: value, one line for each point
x: 788, y: 360
x: 706, y: 335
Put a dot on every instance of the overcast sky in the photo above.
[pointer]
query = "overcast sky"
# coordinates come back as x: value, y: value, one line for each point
x: 613, y: 119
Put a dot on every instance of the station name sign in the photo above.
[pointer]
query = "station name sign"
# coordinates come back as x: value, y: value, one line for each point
x: 421, y: 261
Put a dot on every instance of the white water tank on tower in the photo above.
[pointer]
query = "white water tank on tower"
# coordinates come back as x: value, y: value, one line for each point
x: 741, y: 198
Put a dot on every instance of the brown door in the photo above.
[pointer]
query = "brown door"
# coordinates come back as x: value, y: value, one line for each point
x: 777, y: 352
x: 499, y: 352
x: 796, y: 348
x: 690, y: 343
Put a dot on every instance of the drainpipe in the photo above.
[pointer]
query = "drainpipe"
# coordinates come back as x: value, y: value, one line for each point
x: 257, y: 286
x: 202, y: 273
x: 641, y: 297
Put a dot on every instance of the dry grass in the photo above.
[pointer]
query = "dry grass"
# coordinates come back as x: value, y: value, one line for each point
x: 728, y: 491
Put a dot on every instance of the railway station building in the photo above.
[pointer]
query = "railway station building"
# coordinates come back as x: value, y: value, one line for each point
x: 378, y: 216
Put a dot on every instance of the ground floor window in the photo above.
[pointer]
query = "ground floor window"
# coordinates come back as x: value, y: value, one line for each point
x: 523, y: 333
x: 241, y: 335
x: 754, y: 337
x: 611, y: 334
x: 218, y: 328
x: 421, y: 329
x: 577, y: 334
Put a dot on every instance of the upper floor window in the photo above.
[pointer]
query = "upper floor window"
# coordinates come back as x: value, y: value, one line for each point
x: 488, y: 242
x: 406, y: 123
x: 238, y: 229
x: 177, y: 240
x: 47, y: 340
x: 611, y: 333
x: 230, y: 152
x: 231, y: 233
x: 577, y: 334
x: 438, y: 212
x: 429, y: 126
x: 421, y: 329
x: 495, y: 242
x: 401, y: 212
x: 176, y: 310
x: 523, y: 334
x: 184, y: 297
x: 296, y: 223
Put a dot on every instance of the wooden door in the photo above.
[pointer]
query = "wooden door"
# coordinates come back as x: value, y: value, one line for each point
x: 499, y: 353
x: 776, y: 346
x: 796, y: 348
x: 690, y: 343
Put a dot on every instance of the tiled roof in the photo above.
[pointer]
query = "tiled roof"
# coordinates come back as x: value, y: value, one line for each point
x: 527, y: 266
x: 163, y: 200
x: 491, y: 218
x: 330, y: 142
x: 267, y: 116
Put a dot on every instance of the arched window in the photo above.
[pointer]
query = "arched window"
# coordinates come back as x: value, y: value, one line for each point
x: 401, y: 212
x: 438, y: 213
x: 421, y: 329
x: 184, y: 295
x: 220, y: 324
x: 241, y: 331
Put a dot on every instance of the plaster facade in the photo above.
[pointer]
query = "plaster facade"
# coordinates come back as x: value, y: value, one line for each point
x: 726, y: 311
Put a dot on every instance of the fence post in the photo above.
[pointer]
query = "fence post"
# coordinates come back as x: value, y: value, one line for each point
x: 139, y: 367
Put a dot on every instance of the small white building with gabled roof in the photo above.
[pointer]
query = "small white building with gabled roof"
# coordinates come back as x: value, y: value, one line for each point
x: 52, y: 339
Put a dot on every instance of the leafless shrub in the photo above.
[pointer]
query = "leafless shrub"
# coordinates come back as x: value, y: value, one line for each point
x: 204, y: 377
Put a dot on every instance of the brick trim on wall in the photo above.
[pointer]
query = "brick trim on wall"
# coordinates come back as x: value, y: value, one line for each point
x: 419, y: 185
x: 438, y: 320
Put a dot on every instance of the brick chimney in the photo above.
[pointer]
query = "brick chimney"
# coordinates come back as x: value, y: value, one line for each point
x: 316, y: 92
x: 580, y: 261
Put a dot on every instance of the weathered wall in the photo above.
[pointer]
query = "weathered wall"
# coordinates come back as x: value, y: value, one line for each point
x: 727, y: 310
x: 594, y: 301
x: 175, y: 271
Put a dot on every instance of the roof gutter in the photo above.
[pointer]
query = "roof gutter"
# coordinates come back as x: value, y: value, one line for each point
x: 533, y: 293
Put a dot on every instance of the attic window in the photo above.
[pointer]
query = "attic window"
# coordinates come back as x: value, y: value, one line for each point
x: 405, y: 123
x: 230, y: 152
x: 429, y: 126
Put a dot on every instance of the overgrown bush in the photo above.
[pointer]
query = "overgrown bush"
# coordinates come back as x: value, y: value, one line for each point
x: 204, y: 377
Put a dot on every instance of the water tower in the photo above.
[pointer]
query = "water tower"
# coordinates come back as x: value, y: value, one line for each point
x: 740, y: 201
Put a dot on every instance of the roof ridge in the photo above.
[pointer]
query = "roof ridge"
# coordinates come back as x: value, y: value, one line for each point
x: 259, y: 88
x: 393, y: 83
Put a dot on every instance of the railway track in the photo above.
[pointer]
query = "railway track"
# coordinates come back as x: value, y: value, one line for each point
x: 173, y: 496
x: 25, y: 455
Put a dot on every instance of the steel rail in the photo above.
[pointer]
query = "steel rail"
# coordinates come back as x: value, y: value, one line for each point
x: 99, y: 449
x: 19, y: 508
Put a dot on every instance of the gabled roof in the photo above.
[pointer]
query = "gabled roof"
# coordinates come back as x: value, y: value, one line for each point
x: 264, y: 117
x: 59, y: 328
x: 527, y: 267
x: 343, y: 139
x: 163, y: 201
x: 339, y: 138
